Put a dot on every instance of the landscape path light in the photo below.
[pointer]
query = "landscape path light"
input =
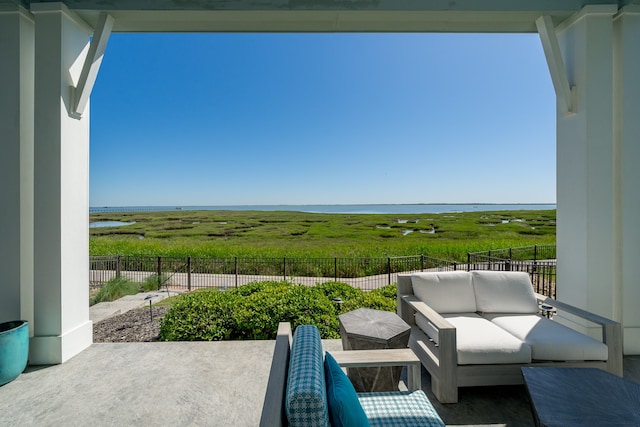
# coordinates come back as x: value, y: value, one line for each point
x: 150, y: 297
x: 338, y: 302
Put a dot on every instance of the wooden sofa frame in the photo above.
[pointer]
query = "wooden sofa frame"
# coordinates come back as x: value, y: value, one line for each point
x: 273, y: 409
x: 441, y: 360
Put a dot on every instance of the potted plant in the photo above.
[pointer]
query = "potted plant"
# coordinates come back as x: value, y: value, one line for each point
x: 14, y: 349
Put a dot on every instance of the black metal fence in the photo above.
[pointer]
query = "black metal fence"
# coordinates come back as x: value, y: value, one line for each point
x: 523, y: 253
x: 193, y: 273
x: 189, y: 273
x: 539, y: 261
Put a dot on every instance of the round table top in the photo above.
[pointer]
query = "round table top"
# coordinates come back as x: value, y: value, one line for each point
x: 377, y: 324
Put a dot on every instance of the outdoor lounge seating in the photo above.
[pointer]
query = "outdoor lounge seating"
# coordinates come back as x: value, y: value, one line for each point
x: 307, y: 389
x: 479, y: 328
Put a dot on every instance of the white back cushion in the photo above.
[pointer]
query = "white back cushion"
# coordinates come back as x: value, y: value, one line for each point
x: 446, y: 291
x: 504, y: 292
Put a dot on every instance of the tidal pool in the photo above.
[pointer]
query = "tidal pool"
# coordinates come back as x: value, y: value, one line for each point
x: 99, y: 224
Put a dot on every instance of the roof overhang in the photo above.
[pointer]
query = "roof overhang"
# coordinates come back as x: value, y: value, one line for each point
x: 515, y: 16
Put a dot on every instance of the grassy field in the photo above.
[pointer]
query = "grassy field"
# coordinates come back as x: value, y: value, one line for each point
x: 295, y: 234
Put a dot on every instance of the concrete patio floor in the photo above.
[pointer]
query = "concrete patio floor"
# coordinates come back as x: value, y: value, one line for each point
x: 199, y: 384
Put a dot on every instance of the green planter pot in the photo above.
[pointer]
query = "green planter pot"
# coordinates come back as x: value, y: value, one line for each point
x: 14, y: 349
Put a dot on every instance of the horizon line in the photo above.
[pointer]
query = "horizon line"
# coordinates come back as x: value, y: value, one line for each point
x: 332, y: 204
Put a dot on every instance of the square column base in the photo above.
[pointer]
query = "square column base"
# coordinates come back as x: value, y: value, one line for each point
x: 51, y: 350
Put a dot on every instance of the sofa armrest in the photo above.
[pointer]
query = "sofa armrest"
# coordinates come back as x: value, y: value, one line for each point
x: 273, y: 407
x: 383, y: 357
x: 446, y: 342
x: 419, y: 306
x: 587, y: 315
x: 611, y: 331
x: 441, y: 359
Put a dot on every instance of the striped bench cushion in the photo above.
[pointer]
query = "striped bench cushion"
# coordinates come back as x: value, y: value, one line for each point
x: 306, y: 395
x: 401, y: 408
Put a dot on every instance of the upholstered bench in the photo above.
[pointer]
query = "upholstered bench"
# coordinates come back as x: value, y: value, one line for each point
x: 308, y: 389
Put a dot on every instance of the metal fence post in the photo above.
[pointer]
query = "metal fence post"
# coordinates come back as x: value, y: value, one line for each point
x: 422, y: 262
x: 235, y: 270
x: 468, y: 261
x: 335, y: 269
x: 284, y: 268
x: 189, y: 273
x: 535, y: 252
x: 159, y: 272
x: 389, y: 269
x: 118, y: 266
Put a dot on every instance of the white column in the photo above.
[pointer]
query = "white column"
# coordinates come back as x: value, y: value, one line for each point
x: 61, y: 189
x: 626, y: 110
x: 16, y: 164
x: 585, y: 166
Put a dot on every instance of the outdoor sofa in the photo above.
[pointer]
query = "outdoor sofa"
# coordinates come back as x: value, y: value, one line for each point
x: 480, y: 328
x: 307, y: 388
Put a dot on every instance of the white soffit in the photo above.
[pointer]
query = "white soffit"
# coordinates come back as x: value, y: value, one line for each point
x: 515, y: 16
x: 321, y: 21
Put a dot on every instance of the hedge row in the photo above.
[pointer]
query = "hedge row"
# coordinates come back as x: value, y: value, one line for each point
x: 253, y: 311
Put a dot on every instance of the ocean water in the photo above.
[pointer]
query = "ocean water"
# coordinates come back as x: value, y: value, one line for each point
x: 345, y: 209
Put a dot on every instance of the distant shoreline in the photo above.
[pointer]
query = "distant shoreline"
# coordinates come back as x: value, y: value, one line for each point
x: 379, y: 208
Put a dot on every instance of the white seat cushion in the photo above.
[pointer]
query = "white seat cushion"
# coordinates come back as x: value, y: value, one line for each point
x: 504, y: 292
x: 445, y: 292
x: 480, y: 342
x: 550, y: 340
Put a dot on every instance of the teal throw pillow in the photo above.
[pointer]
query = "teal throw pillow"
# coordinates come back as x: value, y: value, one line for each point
x: 344, y: 407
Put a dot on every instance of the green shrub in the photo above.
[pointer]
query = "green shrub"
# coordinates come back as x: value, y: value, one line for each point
x: 200, y: 316
x: 253, y: 287
x: 339, y: 290
x: 114, y: 289
x: 387, y: 291
x: 253, y: 311
x: 370, y: 300
x: 257, y: 315
x: 383, y: 298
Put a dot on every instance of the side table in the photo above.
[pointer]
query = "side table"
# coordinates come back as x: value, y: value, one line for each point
x: 367, y: 329
x: 567, y: 397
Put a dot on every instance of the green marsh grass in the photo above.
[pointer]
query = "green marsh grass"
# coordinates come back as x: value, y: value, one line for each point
x: 264, y: 234
x: 114, y: 289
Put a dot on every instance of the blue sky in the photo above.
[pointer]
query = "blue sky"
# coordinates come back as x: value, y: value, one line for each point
x: 228, y: 119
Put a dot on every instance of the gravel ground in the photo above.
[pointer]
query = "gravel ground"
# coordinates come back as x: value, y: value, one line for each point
x: 132, y: 326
